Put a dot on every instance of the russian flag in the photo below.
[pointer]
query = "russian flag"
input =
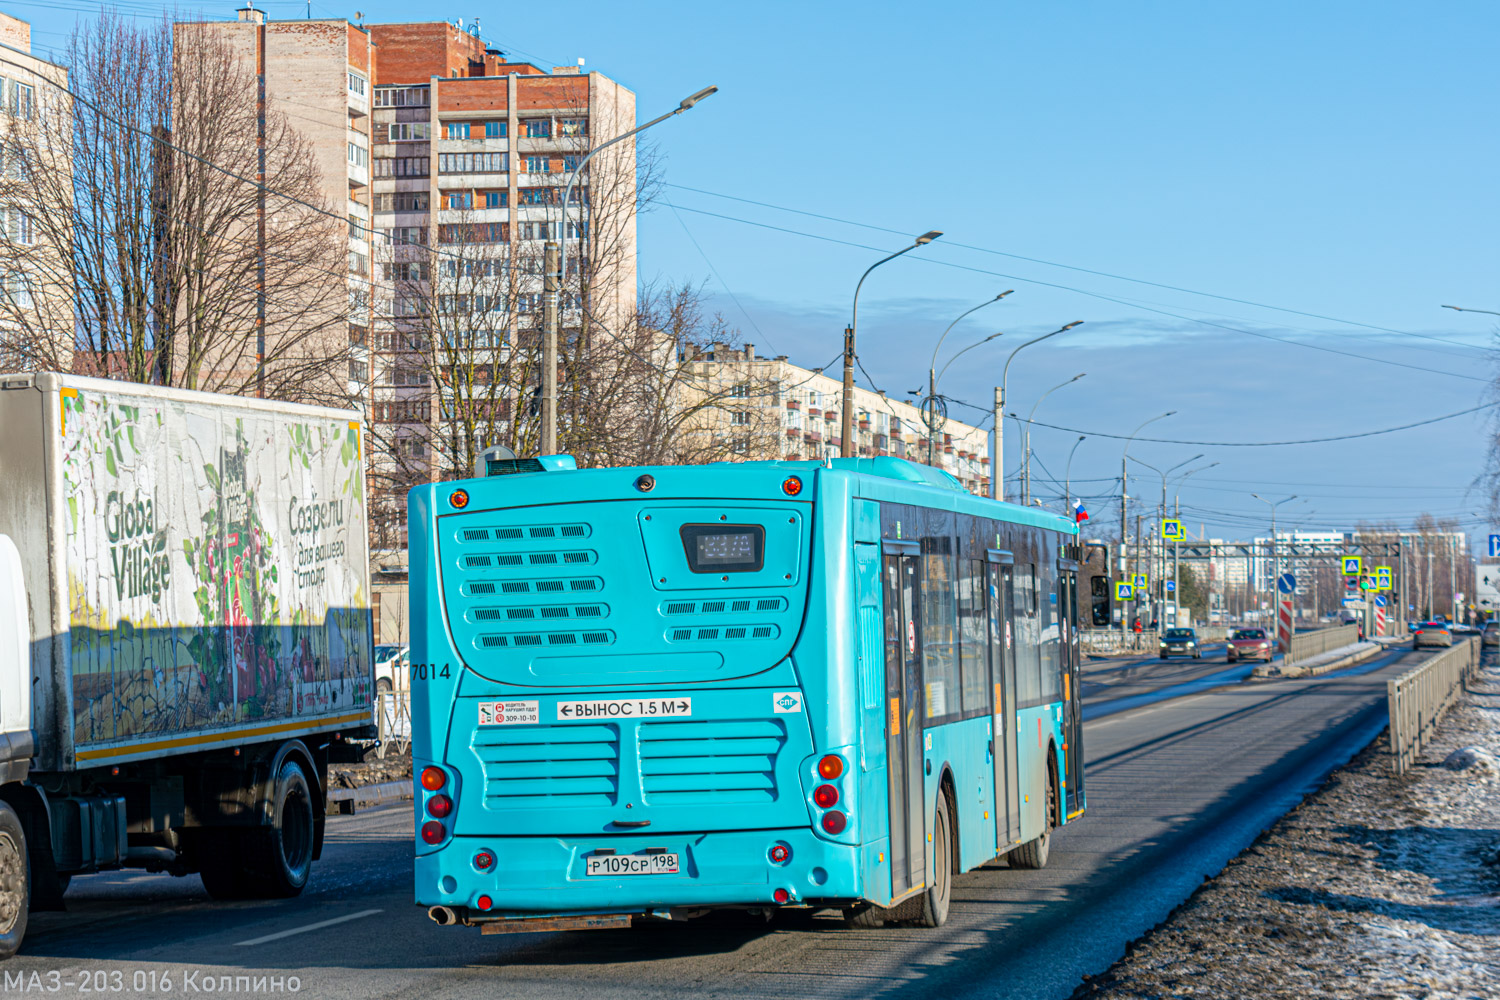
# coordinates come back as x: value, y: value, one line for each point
x: 1079, y: 514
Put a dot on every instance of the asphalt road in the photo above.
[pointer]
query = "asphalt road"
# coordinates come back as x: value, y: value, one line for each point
x: 1175, y: 788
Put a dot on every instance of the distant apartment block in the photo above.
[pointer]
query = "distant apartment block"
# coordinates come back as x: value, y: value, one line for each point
x: 785, y: 411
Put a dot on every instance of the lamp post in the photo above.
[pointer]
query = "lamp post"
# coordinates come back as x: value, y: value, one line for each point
x: 1161, y: 562
x: 1275, y: 567
x: 1489, y: 312
x: 997, y: 481
x: 1177, y: 545
x: 553, y: 281
x: 1124, y: 481
x: 1068, y: 475
x: 932, y: 366
x: 1026, y: 447
x: 846, y: 421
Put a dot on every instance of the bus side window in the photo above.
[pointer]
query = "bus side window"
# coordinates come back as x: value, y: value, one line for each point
x: 1028, y: 638
x: 1099, y: 600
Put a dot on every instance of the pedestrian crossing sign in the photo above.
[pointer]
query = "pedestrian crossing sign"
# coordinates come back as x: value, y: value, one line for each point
x: 1122, y: 592
x: 1351, y: 566
x: 1383, y: 578
x: 1141, y: 583
x: 1171, y: 530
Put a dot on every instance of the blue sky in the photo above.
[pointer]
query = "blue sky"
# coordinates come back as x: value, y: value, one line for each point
x: 1335, y: 159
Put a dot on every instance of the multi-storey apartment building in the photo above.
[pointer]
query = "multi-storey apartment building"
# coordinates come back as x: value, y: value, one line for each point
x: 782, y: 410
x: 28, y: 282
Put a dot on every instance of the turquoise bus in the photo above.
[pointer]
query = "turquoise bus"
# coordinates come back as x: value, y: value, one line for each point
x: 654, y: 692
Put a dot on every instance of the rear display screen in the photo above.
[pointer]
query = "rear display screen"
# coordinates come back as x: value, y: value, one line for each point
x: 724, y: 548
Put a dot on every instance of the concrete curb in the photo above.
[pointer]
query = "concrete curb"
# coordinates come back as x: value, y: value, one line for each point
x: 344, y: 801
x: 1370, y: 650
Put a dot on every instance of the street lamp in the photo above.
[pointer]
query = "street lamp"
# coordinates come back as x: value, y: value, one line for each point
x: 553, y: 282
x: 846, y: 421
x: 1026, y: 473
x: 931, y: 367
x: 1488, y: 312
x: 1124, y: 474
x: 997, y: 480
x: 1161, y: 564
x: 1176, y: 546
x: 1068, y: 475
x: 1275, y: 566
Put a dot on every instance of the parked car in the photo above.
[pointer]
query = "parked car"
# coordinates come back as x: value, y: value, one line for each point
x: 1491, y: 634
x: 1250, y: 644
x: 1179, y: 642
x: 1432, y: 634
x: 391, y: 663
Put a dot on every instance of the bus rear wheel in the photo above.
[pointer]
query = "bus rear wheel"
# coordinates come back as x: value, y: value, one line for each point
x: 939, y: 893
x: 1033, y: 853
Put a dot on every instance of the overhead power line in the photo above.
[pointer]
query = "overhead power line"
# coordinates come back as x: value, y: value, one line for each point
x: 1274, y: 444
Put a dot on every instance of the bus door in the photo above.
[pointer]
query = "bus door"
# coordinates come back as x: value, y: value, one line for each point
x: 1067, y: 584
x: 903, y: 730
x: 1001, y: 606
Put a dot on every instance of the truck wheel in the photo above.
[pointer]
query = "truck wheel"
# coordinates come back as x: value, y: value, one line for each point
x: 283, y: 863
x: 15, y: 882
x: 223, y: 868
x: 1033, y: 853
x: 937, y: 897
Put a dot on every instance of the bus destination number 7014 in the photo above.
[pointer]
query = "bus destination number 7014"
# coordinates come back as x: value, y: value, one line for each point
x: 631, y: 864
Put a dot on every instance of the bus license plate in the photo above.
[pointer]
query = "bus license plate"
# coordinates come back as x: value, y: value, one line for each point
x: 631, y: 864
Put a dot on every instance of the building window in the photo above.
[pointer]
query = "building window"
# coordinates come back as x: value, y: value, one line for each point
x: 740, y: 418
x: 480, y: 268
x: 494, y: 130
x: 358, y: 155
x: 570, y: 164
x: 473, y: 163
x: 573, y: 127
x: 577, y: 229
x: 402, y: 97
x: 458, y: 130
x: 538, y: 196
x: 401, y: 201
x: 356, y: 84
x: 496, y: 199
x: 404, y: 271
x: 359, y: 371
x: 538, y: 128
x: 17, y: 225
x: 16, y: 289
x: 358, y: 263
x: 539, y: 165
x: 537, y: 231
x: 18, y: 97
x: 460, y: 199
x: 402, y: 166
x: 406, y: 235
x: 475, y: 232
x: 528, y: 302
x: 411, y: 131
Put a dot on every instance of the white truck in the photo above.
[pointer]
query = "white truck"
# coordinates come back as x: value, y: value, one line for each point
x: 185, y: 635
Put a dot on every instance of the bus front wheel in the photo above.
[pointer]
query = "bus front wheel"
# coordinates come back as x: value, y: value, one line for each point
x: 1033, y: 853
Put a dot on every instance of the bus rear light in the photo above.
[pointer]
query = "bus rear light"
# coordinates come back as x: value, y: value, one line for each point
x: 484, y: 902
x: 834, y: 822
x: 791, y: 486
x: 459, y: 498
x: 780, y: 854
x: 434, y: 778
x: 484, y: 860
x: 433, y: 832
x: 439, y: 806
x: 826, y: 796
x: 831, y: 767
x: 781, y: 896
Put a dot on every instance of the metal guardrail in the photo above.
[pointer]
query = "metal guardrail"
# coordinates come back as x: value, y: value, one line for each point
x: 1109, y: 641
x: 1306, y: 645
x: 393, y: 721
x: 1418, y: 698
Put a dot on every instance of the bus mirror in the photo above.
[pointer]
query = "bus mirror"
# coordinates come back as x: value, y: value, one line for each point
x: 1099, y: 601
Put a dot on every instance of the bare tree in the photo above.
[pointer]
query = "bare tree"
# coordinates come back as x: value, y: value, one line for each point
x: 144, y: 245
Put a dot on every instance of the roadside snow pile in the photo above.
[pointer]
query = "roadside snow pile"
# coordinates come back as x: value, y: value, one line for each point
x: 1375, y: 886
x: 1472, y: 758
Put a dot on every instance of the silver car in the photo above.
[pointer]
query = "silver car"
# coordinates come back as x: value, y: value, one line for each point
x: 1491, y: 634
x: 1432, y: 634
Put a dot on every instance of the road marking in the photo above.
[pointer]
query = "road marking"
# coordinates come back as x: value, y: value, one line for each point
x: 310, y: 927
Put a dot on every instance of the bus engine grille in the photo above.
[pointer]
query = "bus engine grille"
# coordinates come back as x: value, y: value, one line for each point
x: 685, y: 763
x: 550, y: 766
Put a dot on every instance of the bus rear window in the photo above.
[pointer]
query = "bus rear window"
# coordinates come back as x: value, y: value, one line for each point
x: 724, y: 548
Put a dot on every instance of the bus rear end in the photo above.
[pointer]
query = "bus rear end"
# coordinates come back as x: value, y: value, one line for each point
x: 607, y: 717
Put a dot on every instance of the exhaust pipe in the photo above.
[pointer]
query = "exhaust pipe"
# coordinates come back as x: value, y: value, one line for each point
x: 442, y: 915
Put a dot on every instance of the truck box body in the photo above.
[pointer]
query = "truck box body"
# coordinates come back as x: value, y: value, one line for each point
x: 196, y: 568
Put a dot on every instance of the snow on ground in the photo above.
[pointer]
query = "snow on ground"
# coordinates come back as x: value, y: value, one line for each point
x: 1375, y: 886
